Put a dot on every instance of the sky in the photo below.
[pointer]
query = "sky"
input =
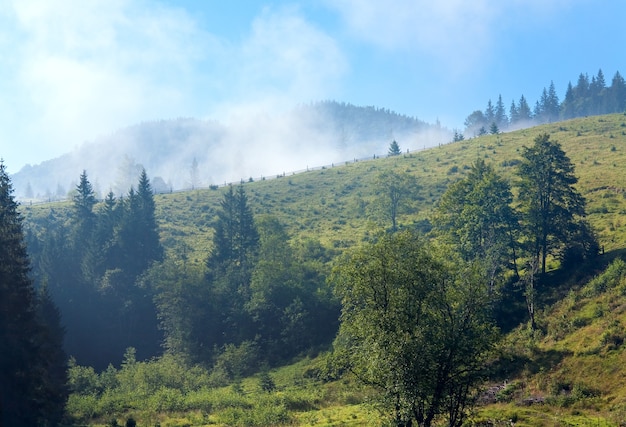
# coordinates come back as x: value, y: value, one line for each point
x: 74, y: 70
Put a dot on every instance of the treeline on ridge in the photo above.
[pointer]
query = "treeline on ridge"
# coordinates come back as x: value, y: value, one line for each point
x: 587, y: 97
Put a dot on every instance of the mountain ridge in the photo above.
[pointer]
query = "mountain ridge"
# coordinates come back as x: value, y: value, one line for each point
x: 309, y: 135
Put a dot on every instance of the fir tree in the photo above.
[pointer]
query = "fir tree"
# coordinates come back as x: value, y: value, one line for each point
x: 500, y: 117
x: 524, y: 111
x: 27, y: 382
x: 394, y: 149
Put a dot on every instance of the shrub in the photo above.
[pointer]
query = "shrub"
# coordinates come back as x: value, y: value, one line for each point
x: 610, y: 278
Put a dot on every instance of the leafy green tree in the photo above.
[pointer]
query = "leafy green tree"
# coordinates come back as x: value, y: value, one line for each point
x: 475, y: 122
x: 475, y: 215
x: 394, y: 193
x: 289, y: 305
x: 188, y: 310
x: 414, y: 328
x: 394, y: 149
x: 30, y: 392
x: 552, y: 208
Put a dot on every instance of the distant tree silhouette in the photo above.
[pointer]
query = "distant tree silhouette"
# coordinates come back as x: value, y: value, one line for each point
x: 394, y: 149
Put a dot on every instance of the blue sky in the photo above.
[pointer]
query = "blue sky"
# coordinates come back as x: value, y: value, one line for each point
x: 71, y: 71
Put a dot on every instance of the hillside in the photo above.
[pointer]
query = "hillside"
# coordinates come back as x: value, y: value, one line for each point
x: 334, y: 203
x: 570, y: 372
x: 193, y: 153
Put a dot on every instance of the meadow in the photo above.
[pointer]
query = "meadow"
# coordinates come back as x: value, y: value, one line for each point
x: 568, y: 372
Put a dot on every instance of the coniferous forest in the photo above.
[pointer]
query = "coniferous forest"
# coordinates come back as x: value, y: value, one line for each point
x: 586, y: 98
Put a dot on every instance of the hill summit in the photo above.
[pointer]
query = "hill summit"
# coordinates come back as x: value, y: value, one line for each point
x: 190, y: 153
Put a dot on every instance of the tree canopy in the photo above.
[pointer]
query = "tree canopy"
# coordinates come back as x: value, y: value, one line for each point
x: 413, y: 327
x: 552, y: 208
x: 32, y: 363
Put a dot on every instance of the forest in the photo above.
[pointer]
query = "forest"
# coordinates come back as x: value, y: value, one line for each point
x: 587, y: 97
x: 178, y: 325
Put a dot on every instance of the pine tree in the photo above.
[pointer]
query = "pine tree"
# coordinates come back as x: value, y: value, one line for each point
x: 26, y: 383
x: 617, y: 93
x: 552, y: 105
x: 490, y: 113
x: 500, y: 117
x: 552, y: 208
x: 149, y: 231
x: 513, y: 113
x: 230, y: 265
x: 525, y: 113
x: 394, y: 149
x: 568, y: 106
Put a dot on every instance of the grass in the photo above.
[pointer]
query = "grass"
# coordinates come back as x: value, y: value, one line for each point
x: 576, y: 362
x: 334, y: 204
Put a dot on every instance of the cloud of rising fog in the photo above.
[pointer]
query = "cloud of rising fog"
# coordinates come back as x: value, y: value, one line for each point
x: 82, y: 69
x: 262, y: 145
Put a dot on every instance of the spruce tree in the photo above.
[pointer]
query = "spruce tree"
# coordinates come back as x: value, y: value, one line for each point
x: 500, y: 114
x: 524, y: 111
x: 394, y: 148
x: 552, y: 209
x: 235, y: 245
x: 26, y: 382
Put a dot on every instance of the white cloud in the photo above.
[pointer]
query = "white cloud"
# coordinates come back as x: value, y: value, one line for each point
x: 284, y: 60
x: 460, y: 34
x: 74, y: 70
x: 436, y: 27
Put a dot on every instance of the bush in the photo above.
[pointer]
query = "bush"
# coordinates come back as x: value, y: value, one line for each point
x: 612, y: 277
x: 235, y: 362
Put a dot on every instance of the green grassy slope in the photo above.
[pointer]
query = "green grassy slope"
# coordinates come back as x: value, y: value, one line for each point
x: 575, y: 366
x: 333, y: 204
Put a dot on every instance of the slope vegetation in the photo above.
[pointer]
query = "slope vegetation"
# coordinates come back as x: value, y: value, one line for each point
x: 569, y: 372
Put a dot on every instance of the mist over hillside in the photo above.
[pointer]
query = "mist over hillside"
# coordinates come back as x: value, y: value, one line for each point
x: 186, y: 152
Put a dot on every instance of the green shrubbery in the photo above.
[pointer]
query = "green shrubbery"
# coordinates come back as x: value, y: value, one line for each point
x: 167, y: 385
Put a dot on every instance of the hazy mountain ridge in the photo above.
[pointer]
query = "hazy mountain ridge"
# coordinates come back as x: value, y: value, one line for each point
x: 248, y: 146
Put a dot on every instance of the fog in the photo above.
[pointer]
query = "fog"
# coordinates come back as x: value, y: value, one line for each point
x: 249, y: 144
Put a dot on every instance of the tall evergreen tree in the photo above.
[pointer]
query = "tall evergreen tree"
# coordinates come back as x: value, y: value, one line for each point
x: 597, y: 94
x: 552, y: 106
x: 525, y: 113
x: 568, y: 107
x: 617, y: 97
x: 230, y: 265
x: 394, y: 149
x: 582, y: 93
x: 236, y: 238
x: 513, y: 113
x: 490, y: 113
x: 552, y: 208
x: 500, y: 117
x: 26, y: 370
